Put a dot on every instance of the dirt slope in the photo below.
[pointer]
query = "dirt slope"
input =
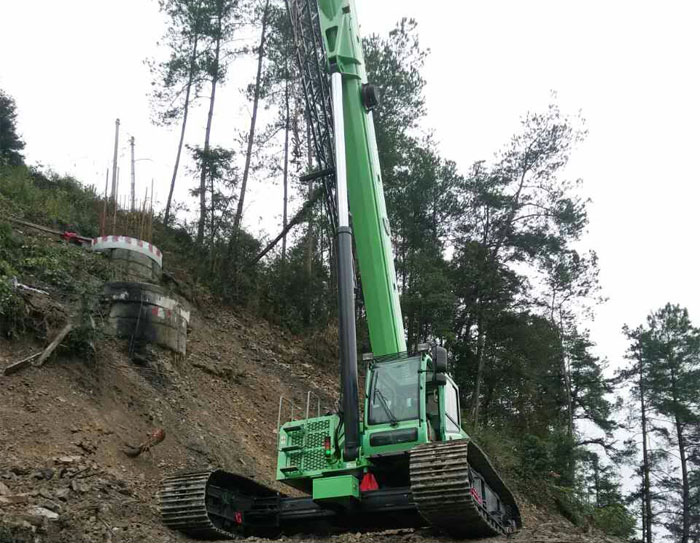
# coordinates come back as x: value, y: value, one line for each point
x: 64, y: 426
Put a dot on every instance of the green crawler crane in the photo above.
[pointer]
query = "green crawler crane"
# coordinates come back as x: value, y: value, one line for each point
x: 406, y: 462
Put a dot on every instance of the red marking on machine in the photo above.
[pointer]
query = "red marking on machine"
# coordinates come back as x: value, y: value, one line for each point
x: 369, y: 483
x: 476, y: 495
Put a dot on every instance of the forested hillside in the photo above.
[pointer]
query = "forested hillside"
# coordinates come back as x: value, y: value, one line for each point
x: 488, y: 259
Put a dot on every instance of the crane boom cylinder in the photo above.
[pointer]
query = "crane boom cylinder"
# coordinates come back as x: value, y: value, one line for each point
x: 346, y: 284
x: 341, y: 168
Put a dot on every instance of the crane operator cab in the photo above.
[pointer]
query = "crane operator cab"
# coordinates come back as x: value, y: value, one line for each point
x: 409, y: 400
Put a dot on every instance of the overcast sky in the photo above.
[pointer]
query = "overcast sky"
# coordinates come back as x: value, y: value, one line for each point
x: 632, y: 67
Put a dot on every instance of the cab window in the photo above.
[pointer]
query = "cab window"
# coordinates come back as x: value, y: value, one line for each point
x: 451, y: 408
x: 394, y: 392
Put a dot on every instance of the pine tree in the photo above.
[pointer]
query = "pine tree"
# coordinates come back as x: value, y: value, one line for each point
x: 181, y: 73
x: 637, y: 375
x: 222, y: 18
x: 255, y: 93
x: 673, y: 349
x: 516, y: 210
x: 666, y: 372
x: 11, y: 144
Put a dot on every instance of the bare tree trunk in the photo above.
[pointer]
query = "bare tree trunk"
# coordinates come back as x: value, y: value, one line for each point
x: 286, y: 167
x: 212, y: 215
x: 310, y: 233
x: 566, y: 374
x: 646, y: 483
x: 203, y: 175
x: 480, y: 341
x: 682, y: 453
x: 684, y: 479
x: 185, y: 114
x: 251, y: 132
x: 596, y: 480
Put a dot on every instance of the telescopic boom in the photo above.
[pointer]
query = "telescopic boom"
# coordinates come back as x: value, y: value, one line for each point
x: 370, y: 224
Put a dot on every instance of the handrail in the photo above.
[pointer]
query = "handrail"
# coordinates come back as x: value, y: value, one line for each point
x: 292, y: 408
x: 308, y: 403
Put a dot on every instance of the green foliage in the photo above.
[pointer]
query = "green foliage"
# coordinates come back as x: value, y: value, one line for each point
x: 614, y: 520
x: 53, y: 264
x: 44, y: 263
x: 12, y: 310
x: 672, y: 347
x: 85, y: 333
x: 502, y: 448
x: 11, y: 144
x: 189, y: 40
x: 533, y: 464
x: 50, y: 199
x: 418, y: 184
x: 296, y: 292
x: 545, y: 456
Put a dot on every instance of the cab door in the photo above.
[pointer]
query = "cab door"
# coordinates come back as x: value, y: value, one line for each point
x: 450, y: 415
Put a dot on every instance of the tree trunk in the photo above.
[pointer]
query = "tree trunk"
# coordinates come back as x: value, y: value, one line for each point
x: 493, y: 258
x: 286, y: 167
x: 684, y: 478
x: 207, y: 134
x: 646, y: 483
x: 185, y: 114
x: 251, y: 132
x: 566, y: 380
x: 682, y: 453
x: 596, y: 481
x: 212, y: 215
x: 310, y: 240
x: 480, y: 340
x: 310, y: 234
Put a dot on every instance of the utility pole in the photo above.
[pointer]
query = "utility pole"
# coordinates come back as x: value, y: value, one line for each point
x: 114, y: 162
x: 103, y: 219
x: 133, y: 176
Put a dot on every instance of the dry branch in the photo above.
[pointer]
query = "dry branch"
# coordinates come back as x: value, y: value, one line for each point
x: 55, y: 343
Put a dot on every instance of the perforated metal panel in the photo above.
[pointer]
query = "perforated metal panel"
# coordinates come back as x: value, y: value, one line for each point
x: 310, y: 437
x: 314, y: 453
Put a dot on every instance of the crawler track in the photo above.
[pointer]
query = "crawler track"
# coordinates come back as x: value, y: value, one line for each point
x: 183, y: 506
x: 217, y: 505
x: 442, y: 491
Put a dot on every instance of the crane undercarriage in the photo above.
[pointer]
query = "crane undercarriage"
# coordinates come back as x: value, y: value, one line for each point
x: 445, y: 492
